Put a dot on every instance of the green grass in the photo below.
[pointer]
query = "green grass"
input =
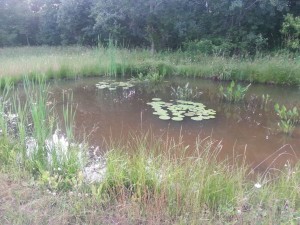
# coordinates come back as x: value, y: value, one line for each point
x: 152, y: 185
x: 65, y: 62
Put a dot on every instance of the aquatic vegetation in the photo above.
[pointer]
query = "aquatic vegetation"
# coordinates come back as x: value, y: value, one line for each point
x: 29, y: 122
x: 183, y: 93
x: 180, y: 109
x: 112, y: 85
x: 233, y: 92
x: 154, y: 77
x: 265, y: 100
x: 288, y: 118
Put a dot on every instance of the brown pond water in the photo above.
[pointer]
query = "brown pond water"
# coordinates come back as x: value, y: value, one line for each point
x: 241, y: 127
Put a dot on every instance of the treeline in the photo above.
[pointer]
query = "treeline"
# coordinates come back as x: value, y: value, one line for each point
x: 232, y: 26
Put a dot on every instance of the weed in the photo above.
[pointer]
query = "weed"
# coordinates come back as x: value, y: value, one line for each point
x: 265, y: 101
x: 154, y: 77
x: 233, y: 92
x: 183, y: 93
x: 288, y: 118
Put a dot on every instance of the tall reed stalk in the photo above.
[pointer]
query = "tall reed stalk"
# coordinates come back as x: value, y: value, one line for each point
x: 112, y: 69
x: 69, y: 115
x: 40, y: 114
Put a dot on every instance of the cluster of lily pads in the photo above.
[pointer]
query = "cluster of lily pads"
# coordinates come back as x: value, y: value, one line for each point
x: 178, y: 110
x: 113, y: 85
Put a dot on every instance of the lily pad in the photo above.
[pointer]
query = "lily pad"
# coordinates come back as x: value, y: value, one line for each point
x: 113, y: 85
x: 197, y: 118
x: 156, y: 99
x: 180, y: 109
x: 164, y: 117
x: 177, y: 118
x: 190, y: 114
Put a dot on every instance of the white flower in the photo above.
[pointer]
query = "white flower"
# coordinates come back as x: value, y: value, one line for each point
x: 257, y: 185
x: 239, y: 211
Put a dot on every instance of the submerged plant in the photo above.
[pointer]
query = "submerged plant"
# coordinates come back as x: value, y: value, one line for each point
x: 233, y: 92
x: 288, y: 118
x: 181, y: 109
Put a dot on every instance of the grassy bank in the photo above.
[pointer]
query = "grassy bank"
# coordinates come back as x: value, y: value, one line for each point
x: 44, y: 178
x: 65, y: 62
x: 150, y: 187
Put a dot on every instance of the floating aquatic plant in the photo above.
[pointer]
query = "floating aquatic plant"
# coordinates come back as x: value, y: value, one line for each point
x: 113, y: 85
x: 180, y: 109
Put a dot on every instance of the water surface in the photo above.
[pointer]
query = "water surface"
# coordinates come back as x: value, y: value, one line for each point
x: 245, y: 127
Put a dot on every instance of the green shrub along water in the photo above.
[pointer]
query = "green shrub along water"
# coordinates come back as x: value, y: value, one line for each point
x: 67, y: 62
x: 143, y: 176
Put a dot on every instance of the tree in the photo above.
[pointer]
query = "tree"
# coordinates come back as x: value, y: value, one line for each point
x: 49, y: 32
x: 16, y: 23
x: 291, y: 31
x: 75, y: 22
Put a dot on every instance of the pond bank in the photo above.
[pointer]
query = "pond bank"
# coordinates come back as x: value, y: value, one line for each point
x: 66, y: 62
x: 152, y: 187
x: 142, y: 181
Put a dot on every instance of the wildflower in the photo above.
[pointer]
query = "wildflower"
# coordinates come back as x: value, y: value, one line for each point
x: 54, y: 193
x: 59, y: 169
x: 257, y: 185
x: 239, y: 211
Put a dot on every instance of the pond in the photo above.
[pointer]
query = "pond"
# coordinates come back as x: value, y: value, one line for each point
x: 249, y: 127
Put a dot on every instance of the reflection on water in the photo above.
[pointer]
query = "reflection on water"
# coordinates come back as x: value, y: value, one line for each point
x: 249, y: 127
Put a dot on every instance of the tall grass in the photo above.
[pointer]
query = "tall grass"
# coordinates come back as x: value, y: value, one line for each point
x: 145, y: 181
x: 64, y: 62
x: 29, y: 123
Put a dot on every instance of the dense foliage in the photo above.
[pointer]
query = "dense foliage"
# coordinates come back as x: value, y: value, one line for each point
x: 209, y: 26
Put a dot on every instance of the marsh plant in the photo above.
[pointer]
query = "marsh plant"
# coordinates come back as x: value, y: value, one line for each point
x: 111, y: 50
x: 29, y: 121
x: 154, y: 77
x: 233, y: 92
x: 183, y: 93
x: 288, y: 118
x: 265, y: 101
